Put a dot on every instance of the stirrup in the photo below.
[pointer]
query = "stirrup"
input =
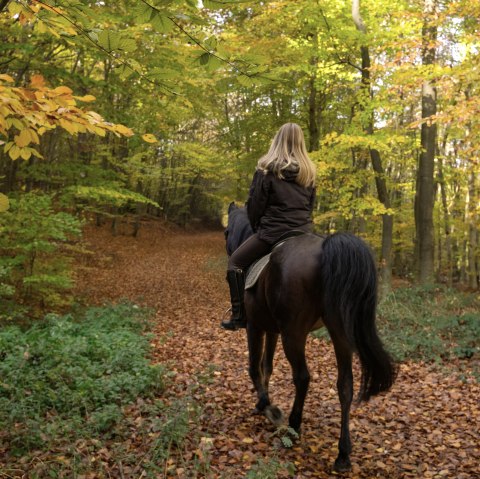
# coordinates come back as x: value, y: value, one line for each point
x: 233, y: 324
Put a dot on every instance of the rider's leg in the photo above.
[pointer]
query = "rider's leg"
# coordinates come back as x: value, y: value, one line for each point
x: 249, y: 251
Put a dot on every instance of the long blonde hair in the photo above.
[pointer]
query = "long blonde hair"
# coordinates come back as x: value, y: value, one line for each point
x: 287, y: 151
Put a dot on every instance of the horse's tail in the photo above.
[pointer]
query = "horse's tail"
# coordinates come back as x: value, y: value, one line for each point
x: 349, y: 278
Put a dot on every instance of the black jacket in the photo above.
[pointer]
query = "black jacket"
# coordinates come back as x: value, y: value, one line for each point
x: 276, y: 206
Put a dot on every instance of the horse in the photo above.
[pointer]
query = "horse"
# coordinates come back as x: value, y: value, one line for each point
x: 238, y: 228
x: 314, y: 281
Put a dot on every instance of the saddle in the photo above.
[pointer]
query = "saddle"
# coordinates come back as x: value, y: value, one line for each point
x: 254, y: 271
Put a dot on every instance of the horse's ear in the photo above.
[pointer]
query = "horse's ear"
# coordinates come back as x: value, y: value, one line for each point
x: 232, y: 206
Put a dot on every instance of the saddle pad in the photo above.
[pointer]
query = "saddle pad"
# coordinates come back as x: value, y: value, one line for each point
x: 254, y: 271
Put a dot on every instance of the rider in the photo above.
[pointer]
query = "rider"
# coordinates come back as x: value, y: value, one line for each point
x: 281, y: 199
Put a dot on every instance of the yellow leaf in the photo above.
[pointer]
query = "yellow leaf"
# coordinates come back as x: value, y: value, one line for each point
x: 14, y: 152
x: 47, y: 105
x: 4, y: 203
x: 149, y: 138
x: 23, y: 138
x: 99, y: 131
x: 69, y: 126
x: 7, y: 78
x: 37, y: 81
x: 36, y: 153
x: 34, y: 136
x: 25, y: 153
x: 247, y: 440
x: 63, y: 90
x: 123, y: 130
x: 86, y: 98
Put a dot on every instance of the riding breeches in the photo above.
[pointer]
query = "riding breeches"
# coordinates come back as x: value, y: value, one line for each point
x: 248, y: 252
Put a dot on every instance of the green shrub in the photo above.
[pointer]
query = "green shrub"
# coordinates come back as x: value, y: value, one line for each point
x: 71, y: 376
x: 430, y: 323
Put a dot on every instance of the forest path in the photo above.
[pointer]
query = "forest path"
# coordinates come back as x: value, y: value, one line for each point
x: 425, y: 427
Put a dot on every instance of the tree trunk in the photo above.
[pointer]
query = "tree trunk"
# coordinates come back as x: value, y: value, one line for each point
x: 446, y: 224
x: 375, y: 157
x: 314, y: 133
x: 312, y: 117
x: 472, y: 256
x: 424, y: 197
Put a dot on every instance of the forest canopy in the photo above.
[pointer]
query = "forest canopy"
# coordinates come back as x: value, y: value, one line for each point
x: 162, y: 108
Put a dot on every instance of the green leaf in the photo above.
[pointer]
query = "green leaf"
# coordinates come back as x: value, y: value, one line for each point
x: 143, y: 12
x: 127, y: 45
x: 162, y: 23
x: 245, y: 80
x: 204, y: 58
x: 109, y: 40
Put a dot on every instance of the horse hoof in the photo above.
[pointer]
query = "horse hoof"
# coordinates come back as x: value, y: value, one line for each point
x: 342, y: 465
x: 274, y: 415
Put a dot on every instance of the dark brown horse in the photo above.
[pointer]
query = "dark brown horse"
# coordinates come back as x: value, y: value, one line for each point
x: 310, y: 282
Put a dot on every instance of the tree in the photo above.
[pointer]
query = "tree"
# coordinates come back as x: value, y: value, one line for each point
x: 424, y: 198
x: 380, y: 181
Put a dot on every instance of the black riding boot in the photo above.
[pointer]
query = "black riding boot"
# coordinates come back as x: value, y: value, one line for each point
x: 236, y: 282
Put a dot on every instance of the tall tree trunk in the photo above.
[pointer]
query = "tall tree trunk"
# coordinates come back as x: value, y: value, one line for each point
x: 424, y: 196
x: 446, y: 223
x: 314, y: 142
x: 376, y: 159
x: 472, y: 216
x: 314, y: 134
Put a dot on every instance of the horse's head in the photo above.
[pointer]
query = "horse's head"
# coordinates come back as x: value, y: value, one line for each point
x: 238, y: 229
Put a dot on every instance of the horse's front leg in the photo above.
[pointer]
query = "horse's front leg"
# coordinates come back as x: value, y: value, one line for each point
x: 345, y: 394
x: 256, y: 339
x: 294, y: 347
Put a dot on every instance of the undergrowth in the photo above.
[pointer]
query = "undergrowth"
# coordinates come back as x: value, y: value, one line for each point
x: 78, y: 394
x: 430, y: 324
x: 434, y: 324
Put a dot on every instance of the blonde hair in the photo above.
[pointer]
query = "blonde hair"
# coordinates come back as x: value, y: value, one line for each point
x: 287, y: 149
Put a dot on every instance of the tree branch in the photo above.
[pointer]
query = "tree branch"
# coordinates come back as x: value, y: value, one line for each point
x: 341, y: 60
x: 204, y: 48
x: 84, y: 33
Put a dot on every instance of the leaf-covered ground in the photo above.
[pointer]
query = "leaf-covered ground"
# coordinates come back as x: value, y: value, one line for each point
x: 427, y: 426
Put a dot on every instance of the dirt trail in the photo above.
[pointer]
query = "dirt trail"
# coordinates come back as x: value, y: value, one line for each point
x: 425, y: 427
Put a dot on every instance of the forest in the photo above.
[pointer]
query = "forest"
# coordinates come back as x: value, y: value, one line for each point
x: 186, y: 97
x: 119, y: 115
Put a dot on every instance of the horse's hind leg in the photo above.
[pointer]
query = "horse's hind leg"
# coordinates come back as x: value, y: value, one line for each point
x: 273, y: 413
x: 294, y: 347
x: 345, y: 394
x: 256, y: 354
x: 270, y: 347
